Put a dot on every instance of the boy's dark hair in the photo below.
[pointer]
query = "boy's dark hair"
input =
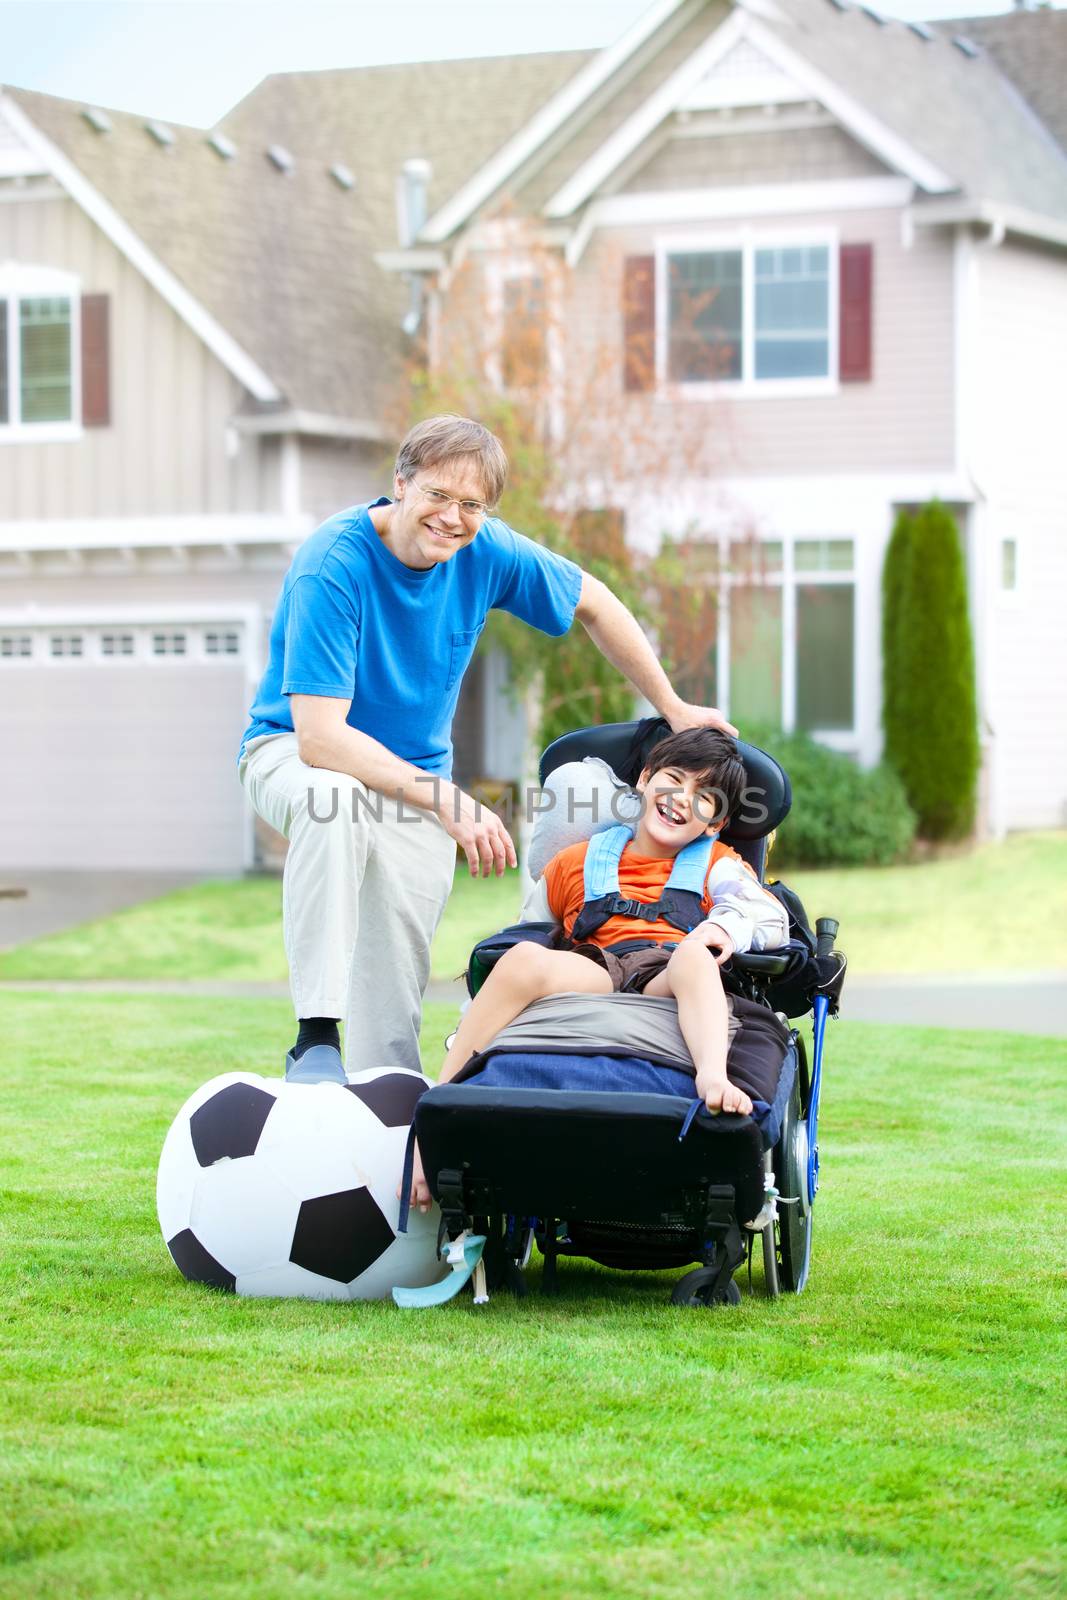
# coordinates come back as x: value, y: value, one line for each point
x: 712, y: 757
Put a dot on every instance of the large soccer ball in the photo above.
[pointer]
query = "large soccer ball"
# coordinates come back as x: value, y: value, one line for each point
x: 274, y: 1188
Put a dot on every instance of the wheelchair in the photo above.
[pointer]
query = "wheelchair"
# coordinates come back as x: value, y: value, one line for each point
x: 641, y: 1181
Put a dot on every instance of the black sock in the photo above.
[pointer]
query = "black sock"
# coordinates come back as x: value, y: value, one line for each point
x: 315, y: 1030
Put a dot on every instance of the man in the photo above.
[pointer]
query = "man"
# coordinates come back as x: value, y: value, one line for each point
x: 349, y: 752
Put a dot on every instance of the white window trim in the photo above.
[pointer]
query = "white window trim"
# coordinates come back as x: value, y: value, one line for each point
x: 19, y: 281
x: 747, y: 240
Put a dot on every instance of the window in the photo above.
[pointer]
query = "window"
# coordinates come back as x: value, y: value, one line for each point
x: 44, y: 360
x: 792, y: 302
x: 38, y: 345
x: 17, y: 646
x: 1009, y: 566
x: 765, y: 628
x: 168, y: 644
x: 522, y: 349
x: 751, y: 314
x: 222, y: 644
x: 67, y: 644
x: 704, y: 316
x: 116, y: 644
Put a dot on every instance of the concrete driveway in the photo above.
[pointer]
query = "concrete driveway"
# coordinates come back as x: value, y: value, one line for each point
x: 33, y: 904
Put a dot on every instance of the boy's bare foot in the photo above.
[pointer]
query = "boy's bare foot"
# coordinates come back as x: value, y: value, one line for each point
x: 719, y: 1094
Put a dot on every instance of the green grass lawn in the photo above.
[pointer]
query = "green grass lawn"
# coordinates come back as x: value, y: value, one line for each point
x: 895, y: 1431
x: 958, y: 914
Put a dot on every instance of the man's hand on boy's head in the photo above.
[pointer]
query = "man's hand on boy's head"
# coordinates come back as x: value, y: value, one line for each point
x: 715, y: 938
x: 683, y: 715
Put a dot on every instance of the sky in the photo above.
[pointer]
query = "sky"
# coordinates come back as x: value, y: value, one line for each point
x: 192, y: 60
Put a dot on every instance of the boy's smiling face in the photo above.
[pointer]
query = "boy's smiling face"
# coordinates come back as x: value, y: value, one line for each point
x: 678, y: 807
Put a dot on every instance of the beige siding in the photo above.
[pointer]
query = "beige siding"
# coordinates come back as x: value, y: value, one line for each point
x: 335, y: 473
x: 902, y: 420
x: 1015, y: 449
x: 165, y: 452
x: 803, y: 155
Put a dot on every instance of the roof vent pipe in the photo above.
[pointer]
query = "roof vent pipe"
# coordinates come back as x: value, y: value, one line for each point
x: 411, y: 199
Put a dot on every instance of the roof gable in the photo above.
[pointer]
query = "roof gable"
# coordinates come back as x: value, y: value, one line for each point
x: 948, y: 121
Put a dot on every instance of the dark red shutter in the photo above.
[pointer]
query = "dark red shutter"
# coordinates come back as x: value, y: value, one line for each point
x: 639, y: 322
x: 856, y: 267
x: 96, y: 361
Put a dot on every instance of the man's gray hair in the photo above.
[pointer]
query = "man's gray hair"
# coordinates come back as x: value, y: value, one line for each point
x: 447, y: 438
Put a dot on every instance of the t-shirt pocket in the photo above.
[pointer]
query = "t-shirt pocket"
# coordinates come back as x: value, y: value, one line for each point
x: 463, y: 644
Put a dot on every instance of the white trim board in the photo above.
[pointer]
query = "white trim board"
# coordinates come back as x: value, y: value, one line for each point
x: 120, y: 533
x: 740, y: 202
x: 548, y: 120
x: 671, y: 95
x: 221, y: 344
x: 317, y: 423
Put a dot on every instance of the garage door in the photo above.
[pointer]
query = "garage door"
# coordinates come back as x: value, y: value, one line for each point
x: 118, y: 747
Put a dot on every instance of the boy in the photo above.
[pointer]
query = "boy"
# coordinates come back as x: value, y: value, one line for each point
x: 701, y: 909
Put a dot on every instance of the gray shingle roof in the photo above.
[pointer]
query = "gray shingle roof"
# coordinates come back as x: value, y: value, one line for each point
x: 284, y: 261
x: 1031, y: 48
x: 960, y: 112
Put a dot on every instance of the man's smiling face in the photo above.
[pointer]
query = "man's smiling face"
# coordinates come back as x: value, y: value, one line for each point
x: 427, y: 526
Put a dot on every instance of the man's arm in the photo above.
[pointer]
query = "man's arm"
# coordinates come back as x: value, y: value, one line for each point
x: 324, y: 739
x: 619, y: 638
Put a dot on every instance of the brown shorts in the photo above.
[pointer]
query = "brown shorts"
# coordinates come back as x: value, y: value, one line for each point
x: 630, y: 970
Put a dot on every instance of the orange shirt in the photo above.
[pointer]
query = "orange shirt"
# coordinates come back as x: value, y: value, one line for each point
x: 641, y: 878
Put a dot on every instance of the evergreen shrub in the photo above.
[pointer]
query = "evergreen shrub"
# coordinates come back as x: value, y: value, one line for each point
x: 842, y: 816
x: 931, y: 712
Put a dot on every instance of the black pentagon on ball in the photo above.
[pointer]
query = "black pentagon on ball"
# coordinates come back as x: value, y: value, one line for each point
x: 195, y: 1263
x: 340, y: 1235
x: 230, y: 1123
x: 392, y: 1097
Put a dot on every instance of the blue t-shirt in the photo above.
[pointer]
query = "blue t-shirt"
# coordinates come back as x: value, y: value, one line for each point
x: 354, y: 623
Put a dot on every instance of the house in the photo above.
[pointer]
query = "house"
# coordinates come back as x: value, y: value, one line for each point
x: 827, y: 251
x: 196, y: 350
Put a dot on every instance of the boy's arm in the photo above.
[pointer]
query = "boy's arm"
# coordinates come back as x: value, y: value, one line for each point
x: 740, y: 905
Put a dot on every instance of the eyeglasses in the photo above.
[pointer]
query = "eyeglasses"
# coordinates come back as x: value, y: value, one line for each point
x: 469, y: 510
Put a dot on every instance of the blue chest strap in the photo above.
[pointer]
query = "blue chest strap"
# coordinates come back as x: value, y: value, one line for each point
x: 681, y: 903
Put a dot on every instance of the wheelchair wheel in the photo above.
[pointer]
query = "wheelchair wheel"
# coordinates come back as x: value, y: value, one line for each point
x: 695, y: 1289
x: 793, y: 1228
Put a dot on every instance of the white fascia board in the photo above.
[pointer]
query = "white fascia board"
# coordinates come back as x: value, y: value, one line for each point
x: 413, y: 260
x: 872, y: 133
x: 541, y: 127
x: 999, y: 219
x: 140, y: 533
x: 647, y: 118
x: 318, y: 424
x: 219, y: 342
x: 743, y: 202
x: 867, y: 129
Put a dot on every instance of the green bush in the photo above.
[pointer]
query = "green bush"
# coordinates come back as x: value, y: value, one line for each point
x: 842, y: 815
x: 931, y: 714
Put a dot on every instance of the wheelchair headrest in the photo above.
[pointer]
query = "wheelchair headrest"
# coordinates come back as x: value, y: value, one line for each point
x: 626, y: 747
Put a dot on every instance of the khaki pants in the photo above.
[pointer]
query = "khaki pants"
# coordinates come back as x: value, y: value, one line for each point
x: 366, y: 880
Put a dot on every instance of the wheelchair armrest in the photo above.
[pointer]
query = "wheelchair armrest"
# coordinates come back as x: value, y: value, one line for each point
x: 763, y: 963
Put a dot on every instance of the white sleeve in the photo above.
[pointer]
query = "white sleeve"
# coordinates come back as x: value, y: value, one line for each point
x: 535, y: 907
x: 740, y: 905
